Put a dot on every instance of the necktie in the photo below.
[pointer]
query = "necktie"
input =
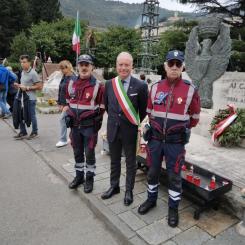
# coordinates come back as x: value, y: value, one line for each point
x: 124, y: 85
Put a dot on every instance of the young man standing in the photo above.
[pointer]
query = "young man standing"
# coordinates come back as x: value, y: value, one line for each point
x: 29, y: 84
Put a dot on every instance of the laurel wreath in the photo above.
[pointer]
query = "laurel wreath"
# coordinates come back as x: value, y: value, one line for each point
x: 235, y: 133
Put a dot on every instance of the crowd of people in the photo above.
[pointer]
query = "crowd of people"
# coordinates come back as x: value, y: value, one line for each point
x: 172, y: 106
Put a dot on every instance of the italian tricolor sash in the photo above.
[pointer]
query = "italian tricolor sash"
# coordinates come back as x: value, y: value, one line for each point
x: 125, y: 102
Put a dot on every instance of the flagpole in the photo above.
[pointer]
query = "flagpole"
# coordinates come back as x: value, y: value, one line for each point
x: 77, y: 45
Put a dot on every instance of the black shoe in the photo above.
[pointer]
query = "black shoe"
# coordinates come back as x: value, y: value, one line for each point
x: 110, y: 192
x: 76, y: 182
x: 128, y: 199
x: 89, y: 184
x: 32, y: 136
x: 173, y: 217
x: 20, y: 136
x: 146, y: 206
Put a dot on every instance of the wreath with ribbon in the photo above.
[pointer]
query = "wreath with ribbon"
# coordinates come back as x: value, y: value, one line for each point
x: 228, y: 126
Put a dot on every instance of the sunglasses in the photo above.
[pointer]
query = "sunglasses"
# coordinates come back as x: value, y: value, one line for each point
x: 177, y: 63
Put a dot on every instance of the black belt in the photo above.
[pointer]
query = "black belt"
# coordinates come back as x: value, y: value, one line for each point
x: 177, y: 138
x: 88, y: 122
x: 84, y: 123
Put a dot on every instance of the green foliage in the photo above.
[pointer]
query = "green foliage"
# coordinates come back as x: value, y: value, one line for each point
x: 237, y: 61
x: 185, y: 26
x: 238, y: 33
x: 109, y: 74
x: 233, y: 8
x: 14, y: 65
x: 105, y: 13
x: 52, y: 38
x: 45, y: 10
x: 114, y: 41
x: 14, y: 19
x: 238, y: 45
x: 232, y: 135
x: 171, y: 39
x: 22, y: 45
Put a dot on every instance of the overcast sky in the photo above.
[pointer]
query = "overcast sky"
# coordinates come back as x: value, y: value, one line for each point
x: 168, y: 4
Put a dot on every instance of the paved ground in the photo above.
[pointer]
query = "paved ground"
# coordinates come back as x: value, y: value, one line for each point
x: 36, y: 207
x: 214, y: 227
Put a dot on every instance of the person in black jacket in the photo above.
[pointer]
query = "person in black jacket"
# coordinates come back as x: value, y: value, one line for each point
x: 125, y: 101
x: 68, y: 74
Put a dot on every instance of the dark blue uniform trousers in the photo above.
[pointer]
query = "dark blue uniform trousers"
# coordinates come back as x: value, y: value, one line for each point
x: 174, y: 157
x: 83, y: 141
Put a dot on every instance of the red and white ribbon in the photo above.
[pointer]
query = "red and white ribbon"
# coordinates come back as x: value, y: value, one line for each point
x: 222, y: 125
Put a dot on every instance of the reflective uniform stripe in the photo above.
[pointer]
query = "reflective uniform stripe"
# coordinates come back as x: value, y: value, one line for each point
x: 90, y: 168
x: 174, y: 195
x: 195, y: 116
x: 148, y: 110
x: 70, y: 86
x: 84, y: 107
x: 79, y: 166
x: 173, y: 116
x: 96, y: 89
x: 189, y: 98
x: 153, y: 92
x: 152, y: 188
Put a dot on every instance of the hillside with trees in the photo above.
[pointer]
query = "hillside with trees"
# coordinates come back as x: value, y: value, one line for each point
x: 104, y: 13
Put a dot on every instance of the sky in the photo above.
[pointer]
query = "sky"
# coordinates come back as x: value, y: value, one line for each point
x: 168, y: 4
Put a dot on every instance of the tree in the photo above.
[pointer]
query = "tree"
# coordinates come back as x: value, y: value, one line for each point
x: 46, y: 10
x: 14, y: 19
x: 50, y: 39
x: 114, y: 41
x: 22, y: 45
x: 233, y: 8
x: 169, y: 40
x: 185, y: 26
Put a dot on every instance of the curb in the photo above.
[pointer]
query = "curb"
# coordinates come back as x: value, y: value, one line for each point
x: 118, y: 228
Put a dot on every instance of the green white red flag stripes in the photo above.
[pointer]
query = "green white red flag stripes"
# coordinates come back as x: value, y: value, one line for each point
x: 124, y: 101
x: 76, y: 36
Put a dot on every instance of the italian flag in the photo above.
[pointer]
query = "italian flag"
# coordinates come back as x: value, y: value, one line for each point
x: 76, y: 36
x: 124, y: 102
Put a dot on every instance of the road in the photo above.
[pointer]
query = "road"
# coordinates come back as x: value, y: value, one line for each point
x: 36, y: 207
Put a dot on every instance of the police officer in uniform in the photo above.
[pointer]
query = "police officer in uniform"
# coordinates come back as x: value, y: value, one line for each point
x: 84, y: 116
x: 125, y: 102
x: 173, y: 109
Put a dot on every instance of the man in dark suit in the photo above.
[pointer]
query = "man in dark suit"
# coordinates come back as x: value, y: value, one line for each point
x: 125, y: 100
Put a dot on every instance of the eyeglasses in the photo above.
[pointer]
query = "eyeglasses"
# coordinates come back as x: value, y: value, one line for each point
x: 177, y: 63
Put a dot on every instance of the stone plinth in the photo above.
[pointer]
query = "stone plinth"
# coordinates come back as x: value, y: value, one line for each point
x: 240, y: 228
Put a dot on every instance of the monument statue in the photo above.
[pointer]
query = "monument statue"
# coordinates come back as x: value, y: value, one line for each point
x: 207, y: 55
x: 90, y: 42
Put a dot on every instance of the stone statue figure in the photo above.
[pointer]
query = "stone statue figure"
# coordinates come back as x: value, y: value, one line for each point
x: 207, y: 55
x: 90, y: 42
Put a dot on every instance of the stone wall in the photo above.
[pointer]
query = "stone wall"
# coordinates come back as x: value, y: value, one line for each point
x: 228, y: 89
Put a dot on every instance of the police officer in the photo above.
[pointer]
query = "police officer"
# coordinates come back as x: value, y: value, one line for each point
x: 173, y: 109
x: 85, y: 113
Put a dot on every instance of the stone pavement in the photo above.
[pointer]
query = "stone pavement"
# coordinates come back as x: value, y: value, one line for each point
x: 213, y: 227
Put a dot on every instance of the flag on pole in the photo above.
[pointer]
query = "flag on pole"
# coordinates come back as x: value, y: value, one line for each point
x: 76, y: 36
